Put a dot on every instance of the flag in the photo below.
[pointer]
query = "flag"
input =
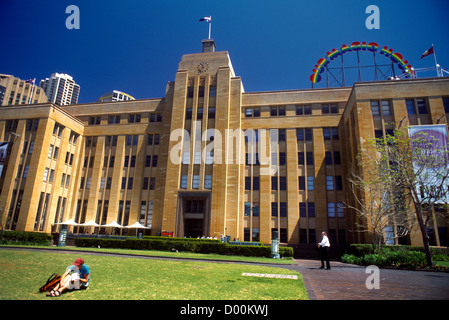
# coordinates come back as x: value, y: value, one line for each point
x: 208, y: 19
x: 30, y: 81
x: 428, y: 52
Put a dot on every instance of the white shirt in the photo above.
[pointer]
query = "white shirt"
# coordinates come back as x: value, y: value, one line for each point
x: 325, y: 242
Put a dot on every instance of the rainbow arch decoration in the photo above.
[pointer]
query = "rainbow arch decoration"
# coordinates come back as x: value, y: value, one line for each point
x: 395, y: 57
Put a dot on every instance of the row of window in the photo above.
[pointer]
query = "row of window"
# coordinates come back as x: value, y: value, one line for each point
x: 132, y: 118
x: 304, y: 158
x: 212, y: 91
x: 304, y: 183
x: 279, y: 111
x: 196, y: 181
x: 130, y: 140
x: 306, y: 209
x: 302, y: 134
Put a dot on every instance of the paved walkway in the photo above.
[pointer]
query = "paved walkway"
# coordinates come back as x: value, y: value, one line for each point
x: 347, y: 282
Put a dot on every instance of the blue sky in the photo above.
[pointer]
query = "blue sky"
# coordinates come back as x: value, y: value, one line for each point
x: 135, y: 46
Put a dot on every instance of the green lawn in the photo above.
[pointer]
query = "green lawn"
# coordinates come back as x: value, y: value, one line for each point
x: 118, y: 278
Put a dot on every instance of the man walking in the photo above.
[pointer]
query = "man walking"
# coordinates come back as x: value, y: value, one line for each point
x: 324, y: 246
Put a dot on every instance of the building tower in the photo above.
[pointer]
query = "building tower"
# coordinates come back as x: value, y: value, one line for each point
x: 61, y: 89
x: 14, y: 91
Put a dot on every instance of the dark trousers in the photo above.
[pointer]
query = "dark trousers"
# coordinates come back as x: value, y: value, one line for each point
x: 325, y: 256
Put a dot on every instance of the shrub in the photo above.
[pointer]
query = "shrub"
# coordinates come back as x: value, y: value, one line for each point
x: 25, y: 238
x: 181, y: 244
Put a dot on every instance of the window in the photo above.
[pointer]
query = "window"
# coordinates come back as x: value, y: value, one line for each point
x: 301, y: 110
x: 375, y: 110
x: 196, y: 181
x: 255, y: 183
x: 335, y: 209
x: 50, y: 151
x: 282, y: 183
x: 247, y: 209
x: 330, y: 133
x: 208, y: 181
x: 274, y: 209
x: 329, y: 183
x: 311, y: 209
x: 148, y: 161
x: 145, y: 183
x: 283, y: 209
x: 310, y: 183
x: 152, y: 183
x: 154, y: 162
x: 422, y: 106
x: 410, y: 104
x: 211, y: 113
x: 274, y: 183
x: 302, y: 210
x: 338, y: 183
x: 302, y: 183
x: 46, y: 173
x: 247, y: 183
x: 281, y: 135
x: 184, y: 182
x: 386, y: 110
x: 282, y: 158
x: 212, y: 91
x: 309, y: 158
x: 301, y: 158
x: 326, y: 108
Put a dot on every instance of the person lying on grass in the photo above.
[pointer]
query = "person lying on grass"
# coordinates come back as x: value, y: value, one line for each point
x: 77, y: 276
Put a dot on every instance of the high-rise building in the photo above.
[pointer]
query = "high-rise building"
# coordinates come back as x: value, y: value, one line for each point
x: 199, y: 161
x: 115, y: 95
x: 61, y: 89
x: 15, y: 91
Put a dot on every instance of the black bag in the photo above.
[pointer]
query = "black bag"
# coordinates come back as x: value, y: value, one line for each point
x: 51, y: 283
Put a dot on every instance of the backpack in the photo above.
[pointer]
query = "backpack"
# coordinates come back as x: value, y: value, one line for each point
x: 51, y: 283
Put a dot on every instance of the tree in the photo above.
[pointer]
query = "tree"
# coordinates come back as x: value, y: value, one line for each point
x: 416, y: 163
x: 375, y: 199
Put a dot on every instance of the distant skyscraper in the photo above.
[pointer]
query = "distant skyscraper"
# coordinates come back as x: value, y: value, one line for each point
x: 61, y: 89
x: 115, y: 95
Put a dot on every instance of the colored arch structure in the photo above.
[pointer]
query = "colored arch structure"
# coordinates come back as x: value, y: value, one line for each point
x: 361, y: 46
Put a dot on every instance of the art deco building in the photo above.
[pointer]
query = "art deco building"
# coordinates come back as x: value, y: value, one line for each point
x: 202, y: 160
x: 15, y: 91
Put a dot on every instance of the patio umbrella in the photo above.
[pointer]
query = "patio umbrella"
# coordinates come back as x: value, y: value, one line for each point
x: 136, y: 225
x: 113, y: 224
x: 91, y: 223
x: 69, y: 222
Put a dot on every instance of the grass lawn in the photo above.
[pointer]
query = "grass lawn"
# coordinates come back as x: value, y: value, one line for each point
x: 442, y: 263
x: 117, y: 278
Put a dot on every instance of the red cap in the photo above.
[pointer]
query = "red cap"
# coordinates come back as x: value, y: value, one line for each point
x: 78, y: 262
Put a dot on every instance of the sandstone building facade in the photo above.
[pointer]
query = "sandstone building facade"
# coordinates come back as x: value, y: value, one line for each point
x: 201, y: 160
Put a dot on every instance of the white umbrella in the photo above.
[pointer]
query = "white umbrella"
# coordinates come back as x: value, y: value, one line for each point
x: 91, y: 223
x: 113, y: 224
x: 69, y: 222
x: 137, y: 225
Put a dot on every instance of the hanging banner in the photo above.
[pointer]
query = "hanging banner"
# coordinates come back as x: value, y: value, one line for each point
x: 3, y: 153
x: 429, y: 144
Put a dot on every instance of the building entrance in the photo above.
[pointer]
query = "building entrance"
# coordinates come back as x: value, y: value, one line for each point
x: 193, y: 215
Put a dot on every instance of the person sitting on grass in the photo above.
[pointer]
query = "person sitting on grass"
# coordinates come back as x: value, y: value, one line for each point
x: 77, y: 276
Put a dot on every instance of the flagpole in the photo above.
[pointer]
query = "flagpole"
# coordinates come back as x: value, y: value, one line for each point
x: 32, y: 91
x: 210, y: 24
x: 436, y: 63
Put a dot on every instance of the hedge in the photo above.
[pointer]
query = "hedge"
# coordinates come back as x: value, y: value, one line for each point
x: 360, y: 250
x: 25, y: 238
x: 182, y: 244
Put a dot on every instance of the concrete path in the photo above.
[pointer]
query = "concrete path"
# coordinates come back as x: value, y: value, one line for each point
x: 348, y: 282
